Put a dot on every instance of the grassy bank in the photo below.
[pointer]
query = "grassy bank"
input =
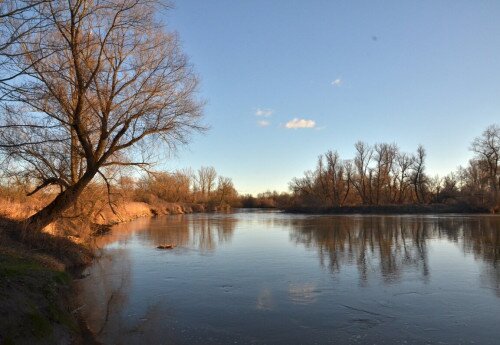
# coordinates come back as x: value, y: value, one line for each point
x: 35, y: 287
x: 389, y: 209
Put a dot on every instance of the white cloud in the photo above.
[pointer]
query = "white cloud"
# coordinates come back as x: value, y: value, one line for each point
x: 300, y: 123
x: 264, y: 112
x: 337, y: 82
x: 263, y: 123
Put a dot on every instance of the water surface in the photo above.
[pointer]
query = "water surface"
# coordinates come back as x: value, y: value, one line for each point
x: 273, y: 278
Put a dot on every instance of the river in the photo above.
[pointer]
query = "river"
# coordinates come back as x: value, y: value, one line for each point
x: 265, y: 277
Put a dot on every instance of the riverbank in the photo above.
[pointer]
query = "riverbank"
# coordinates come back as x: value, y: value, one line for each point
x: 37, y: 272
x: 128, y: 211
x: 390, y: 209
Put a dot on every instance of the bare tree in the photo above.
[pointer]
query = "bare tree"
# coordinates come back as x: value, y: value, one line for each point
x: 362, y: 181
x: 418, y: 177
x: 338, y: 176
x: 225, y: 190
x: 404, y: 162
x: 168, y: 186
x: 348, y: 170
x: 487, y: 149
x: 205, y: 181
x: 381, y: 174
x: 384, y: 157
x: 305, y: 187
x: 103, y: 86
x: 324, y: 183
x: 18, y: 20
x: 475, y: 179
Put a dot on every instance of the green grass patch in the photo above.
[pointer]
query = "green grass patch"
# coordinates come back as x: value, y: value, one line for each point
x: 40, y: 325
x: 33, y: 300
x: 13, y: 267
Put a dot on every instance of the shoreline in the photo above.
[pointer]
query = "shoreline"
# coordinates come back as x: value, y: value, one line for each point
x: 389, y: 209
x: 36, y: 287
x: 38, y: 275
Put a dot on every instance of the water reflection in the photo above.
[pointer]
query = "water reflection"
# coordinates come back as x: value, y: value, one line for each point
x: 276, y: 278
x: 389, y: 246
x: 104, y: 293
x: 202, y: 232
x: 106, y: 290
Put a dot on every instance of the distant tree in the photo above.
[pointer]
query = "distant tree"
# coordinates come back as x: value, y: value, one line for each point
x: 487, y: 150
x: 384, y: 157
x: 450, y: 187
x: 171, y: 187
x: 363, y: 178
x: 404, y: 163
x: 205, y: 179
x: 305, y: 188
x: 418, y: 177
x: 226, y: 193
x: 382, y: 174
x: 348, y: 173
x: 435, y: 188
x: 102, y: 87
x: 475, y: 181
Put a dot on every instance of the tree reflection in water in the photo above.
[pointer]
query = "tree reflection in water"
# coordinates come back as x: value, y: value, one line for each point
x: 202, y: 231
x: 387, y: 245
x: 104, y: 293
x: 106, y: 290
x: 137, y: 291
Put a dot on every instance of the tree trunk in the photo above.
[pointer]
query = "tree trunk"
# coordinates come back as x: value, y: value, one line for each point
x: 61, y: 203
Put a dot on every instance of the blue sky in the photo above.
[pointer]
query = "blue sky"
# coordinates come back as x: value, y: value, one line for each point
x: 410, y: 72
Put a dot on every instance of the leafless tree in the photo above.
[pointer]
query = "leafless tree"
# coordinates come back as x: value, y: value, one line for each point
x: 225, y: 190
x: 18, y: 20
x: 404, y: 162
x: 101, y: 87
x: 382, y: 175
x: 338, y: 176
x: 348, y: 171
x: 487, y: 149
x: 362, y: 181
x: 476, y: 181
x: 168, y: 186
x: 305, y: 187
x: 418, y: 177
x: 384, y: 157
x: 333, y: 169
x: 205, y: 180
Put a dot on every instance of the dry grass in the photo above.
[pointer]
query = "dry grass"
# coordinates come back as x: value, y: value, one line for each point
x: 92, y: 215
x: 55, y: 252
x: 12, y: 209
x: 123, y: 212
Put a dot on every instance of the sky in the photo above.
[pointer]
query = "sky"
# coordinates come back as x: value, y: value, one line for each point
x: 287, y: 80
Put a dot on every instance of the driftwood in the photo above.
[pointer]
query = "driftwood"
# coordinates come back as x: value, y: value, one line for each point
x: 166, y: 246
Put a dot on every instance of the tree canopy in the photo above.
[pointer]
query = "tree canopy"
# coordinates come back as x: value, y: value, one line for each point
x: 89, y: 86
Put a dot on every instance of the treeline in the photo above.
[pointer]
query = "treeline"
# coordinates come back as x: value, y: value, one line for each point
x: 116, y: 198
x: 265, y: 200
x: 203, y: 186
x: 382, y: 174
